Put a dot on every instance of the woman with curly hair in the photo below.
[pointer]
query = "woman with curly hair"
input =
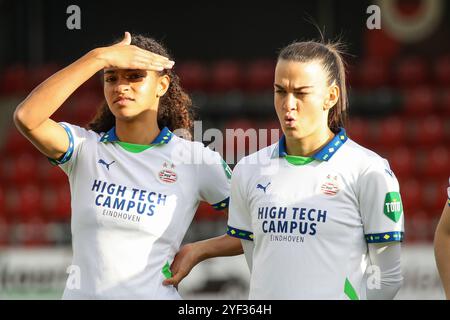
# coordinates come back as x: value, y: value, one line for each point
x: 135, y: 185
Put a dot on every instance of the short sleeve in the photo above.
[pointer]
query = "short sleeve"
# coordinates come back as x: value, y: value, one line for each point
x: 77, y: 136
x: 214, y: 176
x: 239, y: 219
x: 380, y: 204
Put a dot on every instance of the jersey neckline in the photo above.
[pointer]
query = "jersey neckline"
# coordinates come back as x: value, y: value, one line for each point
x: 164, y: 136
x: 324, y: 154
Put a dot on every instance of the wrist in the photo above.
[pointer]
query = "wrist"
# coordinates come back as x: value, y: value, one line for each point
x: 98, y: 55
x: 200, y: 251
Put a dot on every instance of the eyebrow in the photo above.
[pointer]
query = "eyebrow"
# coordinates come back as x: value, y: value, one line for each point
x: 295, y: 89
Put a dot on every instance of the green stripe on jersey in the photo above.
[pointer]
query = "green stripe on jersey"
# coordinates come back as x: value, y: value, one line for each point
x: 298, y: 160
x: 350, y: 291
x: 134, y: 148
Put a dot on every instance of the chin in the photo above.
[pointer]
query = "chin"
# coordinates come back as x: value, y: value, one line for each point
x: 290, y: 132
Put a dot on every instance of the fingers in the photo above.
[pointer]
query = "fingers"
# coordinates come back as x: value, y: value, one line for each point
x: 154, y: 59
x: 126, y: 39
x: 177, y: 276
x: 174, y: 281
x: 155, y: 63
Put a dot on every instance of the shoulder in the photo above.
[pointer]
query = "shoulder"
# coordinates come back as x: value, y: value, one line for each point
x: 195, y: 150
x: 364, y: 158
x: 253, y: 163
x: 80, y: 132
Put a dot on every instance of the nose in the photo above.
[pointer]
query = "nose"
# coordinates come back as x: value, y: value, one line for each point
x: 290, y: 102
x: 122, y: 85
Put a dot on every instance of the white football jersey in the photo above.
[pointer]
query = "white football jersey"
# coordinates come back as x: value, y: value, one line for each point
x: 131, y: 208
x: 311, y: 218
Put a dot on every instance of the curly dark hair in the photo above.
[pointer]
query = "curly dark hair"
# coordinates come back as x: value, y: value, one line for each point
x: 175, y: 109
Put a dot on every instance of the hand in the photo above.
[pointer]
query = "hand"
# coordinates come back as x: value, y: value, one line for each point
x: 122, y: 55
x: 186, y: 259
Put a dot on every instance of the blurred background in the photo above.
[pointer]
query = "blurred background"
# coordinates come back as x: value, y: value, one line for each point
x: 399, y: 80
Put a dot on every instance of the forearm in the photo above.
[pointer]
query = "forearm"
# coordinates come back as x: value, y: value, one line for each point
x: 221, y: 246
x: 46, y: 98
x: 388, y: 276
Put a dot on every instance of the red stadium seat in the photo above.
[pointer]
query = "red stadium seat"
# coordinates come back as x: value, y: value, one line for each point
x: 442, y: 70
x: 16, y: 143
x: 390, y: 132
x: 411, y: 192
x: 443, y: 107
x: 57, y: 203
x: 194, y: 75
x: 436, y: 162
x: 25, y: 204
x: 33, y: 233
x: 429, y: 131
x: 411, y: 71
x: 260, y: 75
x: 4, y: 233
x: 85, y: 106
x: 225, y: 76
x: 2, y: 204
x: 401, y: 161
x: 39, y: 74
x: 358, y: 131
x: 51, y: 175
x: 20, y: 170
x: 434, y: 195
x: 419, y: 101
x: 13, y: 80
x: 372, y: 73
x: 417, y: 227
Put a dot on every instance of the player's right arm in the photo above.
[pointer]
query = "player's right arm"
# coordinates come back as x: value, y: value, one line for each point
x: 32, y: 116
x: 442, y: 247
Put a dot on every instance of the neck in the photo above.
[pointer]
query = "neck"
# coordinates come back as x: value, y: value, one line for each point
x: 137, y: 131
x: 309, y: 145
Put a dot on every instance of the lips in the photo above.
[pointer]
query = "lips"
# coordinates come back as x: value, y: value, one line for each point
x: 289, y: 120
x: 122, y: 98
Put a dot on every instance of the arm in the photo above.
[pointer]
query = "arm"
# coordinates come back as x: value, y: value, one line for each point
x: 442, y: 249
x: 192, y: 254
x: 32, y: 116
x: 385, y: 284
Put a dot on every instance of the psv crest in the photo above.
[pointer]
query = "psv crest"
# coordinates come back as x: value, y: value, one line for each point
x: 167, y: 174
x: 331, y: 185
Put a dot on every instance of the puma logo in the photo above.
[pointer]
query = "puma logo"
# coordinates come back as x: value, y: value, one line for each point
x: 259, y: 186
x: 101, y: 161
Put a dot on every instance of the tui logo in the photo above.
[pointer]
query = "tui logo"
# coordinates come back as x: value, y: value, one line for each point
x: 103, y: 162
x: 259, y: 186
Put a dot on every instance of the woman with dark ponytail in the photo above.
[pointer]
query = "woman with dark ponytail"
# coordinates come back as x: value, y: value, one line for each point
x: 319, y: 216
x: 135, y: 185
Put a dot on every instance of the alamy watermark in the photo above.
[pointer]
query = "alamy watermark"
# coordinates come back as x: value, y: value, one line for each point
x: 73, y: 21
